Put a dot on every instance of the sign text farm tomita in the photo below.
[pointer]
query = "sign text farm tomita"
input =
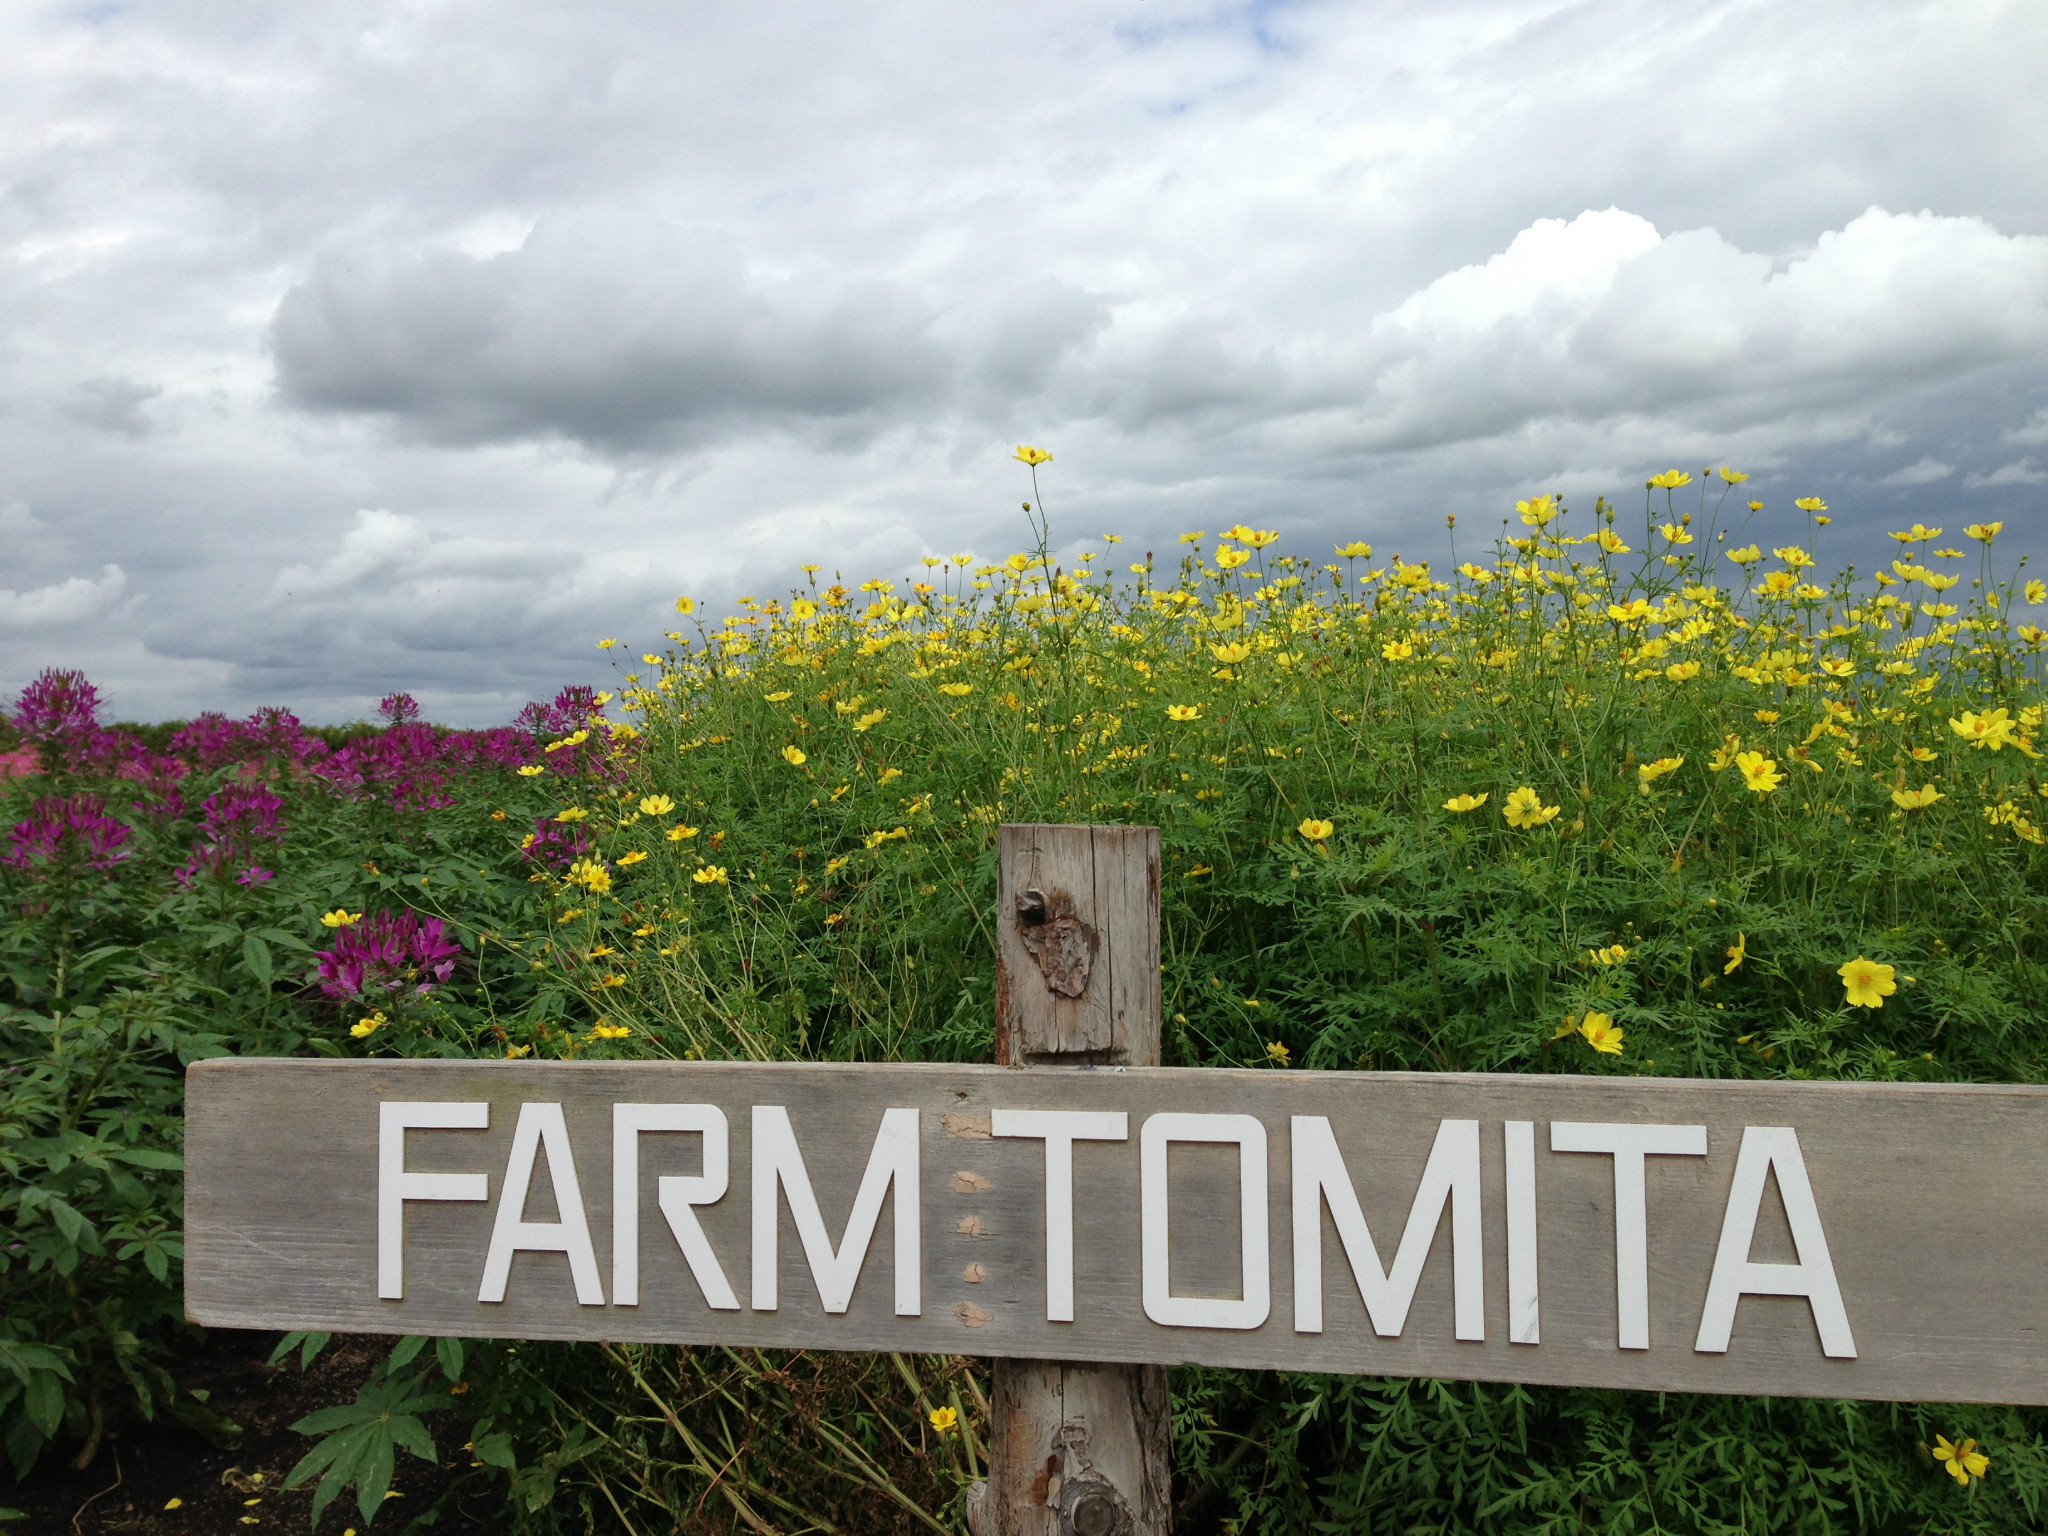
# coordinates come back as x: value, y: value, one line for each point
x: 1797, y: 1239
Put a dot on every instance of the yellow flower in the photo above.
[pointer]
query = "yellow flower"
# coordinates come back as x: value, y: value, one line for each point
x: 1737, y: 953
x: 1674, y: 534
x: 1993, y: 728
x: 1636, y: 611
x: 1961, y: 1462
x: 776, y: 697
x: 590, y: 874
x: 532, y: 771
x: 1984, y: 533
x: 1464, y: 803
x: 873, y: 717
x: 1649, y: 773
x: 1230, y: 655
x: 362, y: 1029
x: 1258, y: 540
x: 1915, y: 799
x: 1183, y: 712
x: 794, y: 756
x: 1536, y: 511
x: 635, y: 857
x: 803, y: 609
x: 1867, y: 983
x: 1794, y: 556
x: 680, y: 833
x: 1601, y: 1034
x: 1748, y: 554
x: 1610, y: 541
x: 1032, y: 456
x: 710, y: 874
x: 656, y: 805
x: 174, y: 1504
x: 1733, y: 476
x: 1231, y: 559
x: 943, y: 1419
x: 1358, y: 550
x: 956, y: 690
x: 1278, y: 1054
x: 1670, y: 480
x: 1397, y: 650
x: 604, y: 1031
x: 1613, y: 954
x: 1682, y: 671
x: 686, y: 605
x: 572, y: 813
x: 1315, y: 831
x: 1919, y: 533
x: 1193, y: 538
x: 340, y: 917
x: 1810, y: 504
x: 1759, y: 773
x: 605, y: 645
x: 2037, y: 591
x: 1525, y: 809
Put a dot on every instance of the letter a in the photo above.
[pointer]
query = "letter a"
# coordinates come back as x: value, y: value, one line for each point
x: 1768, y: 1149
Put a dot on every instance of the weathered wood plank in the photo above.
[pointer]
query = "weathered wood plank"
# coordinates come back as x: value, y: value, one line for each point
x: 1933, y: 1202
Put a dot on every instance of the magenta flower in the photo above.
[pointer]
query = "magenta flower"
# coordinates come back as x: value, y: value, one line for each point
x: 231, y: 821
x: 556, y: 845
x: 74, y: 830
x: 386, y: 954
x: 399, y: 708
x: 58, y: 714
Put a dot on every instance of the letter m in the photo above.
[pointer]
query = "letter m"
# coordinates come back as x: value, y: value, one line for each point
x: 1452, y: 1176
x: 779, y: 1168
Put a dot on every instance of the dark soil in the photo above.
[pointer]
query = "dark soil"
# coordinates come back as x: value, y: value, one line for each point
x: 229, y: 1489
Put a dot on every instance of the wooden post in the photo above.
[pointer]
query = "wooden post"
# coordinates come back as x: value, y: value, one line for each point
x: 1077, y: 1450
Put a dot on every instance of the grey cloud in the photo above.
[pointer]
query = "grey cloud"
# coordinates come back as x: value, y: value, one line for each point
x: 628, y: 337
x: 112, y: 405
x: 2020, y: 472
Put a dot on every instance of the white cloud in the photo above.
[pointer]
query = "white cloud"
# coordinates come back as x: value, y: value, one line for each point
x: 2034, y: 434
x: 2019, y: 472
x: 1926, y: 472
x: 63, y: 603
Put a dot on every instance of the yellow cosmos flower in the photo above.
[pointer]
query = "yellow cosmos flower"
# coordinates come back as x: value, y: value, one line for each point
x: 1358, y: 550
x: 1674, y: 534
x: 340, y: 917
x: 686, y: 605
x: 605, y: 645
x: 679, y: 834
x: 1919, y: 533
x: 1759, y: 773
x: 1537, y: 510
x: 1525, y: 809
x: 656, y: 805
x: 1463, y: 803
x: 1183, y: 712
x: 956, y: 690
x: 1993, y: 728
x: 802, y: 609
x: 778, y: 696
x: 1231, y: 559
x: 1600, y: 1033
x: 1397, y: 650
x: 1961, y: 1462
x: 794, y: 757
x: 2037, y: 591
x: 572, y: 813
x: 1749, y: 554
x: 710, y: 874
x: 1026, y: 454
x: 1670, y: 480
x: 1610, y: 541
x: 532, y: 771
x: 943, y: 1419
x: 1635, y: 611
x: 1810, y: 504
x: 1259, y: 539
x: 362, y: 1029
x: 868, y: 721
x: 1733, y: 476
x: 589, y: 874
x: 1867, y: 983
x: 1230, y: 655
x: 1277, y: 1052
x: 1649, y: 773
x: 1916, y: 799
x: 1613, y: 954
x: 1315, y: 831
x: 1984, y: 533
x: 1737, y: 953
x: 1682, y: 671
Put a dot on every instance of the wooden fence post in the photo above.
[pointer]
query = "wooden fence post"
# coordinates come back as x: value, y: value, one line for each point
x: 1077, y: 1450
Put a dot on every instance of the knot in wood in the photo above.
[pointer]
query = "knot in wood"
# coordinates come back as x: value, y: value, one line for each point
x: 1053, y: 933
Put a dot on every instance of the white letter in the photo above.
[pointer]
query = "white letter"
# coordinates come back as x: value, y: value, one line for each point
x: 541, y: 1124
x: 395, y: 1186
x: 1060, y: 1128
x: 777, y: 1161
x: 678, y: 1192
x: 1254, y: 1265
x: 1521, y: 1169
x: 1768, y: 1149
x: 1629, y: 1145
x: 1452, y: 1174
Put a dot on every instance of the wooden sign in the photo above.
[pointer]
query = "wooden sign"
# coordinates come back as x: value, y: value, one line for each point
x: 1836, y: 1240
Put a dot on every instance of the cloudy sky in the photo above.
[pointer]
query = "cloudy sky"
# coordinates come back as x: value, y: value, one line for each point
x: 419, y: 344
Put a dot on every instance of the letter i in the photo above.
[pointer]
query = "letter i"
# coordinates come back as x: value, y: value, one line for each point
x: 1521, y: 1171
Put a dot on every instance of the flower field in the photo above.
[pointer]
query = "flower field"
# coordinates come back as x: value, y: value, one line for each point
x: 1664, y: 793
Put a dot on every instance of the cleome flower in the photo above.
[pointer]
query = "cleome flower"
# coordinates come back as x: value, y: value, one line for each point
x: 386, y: 955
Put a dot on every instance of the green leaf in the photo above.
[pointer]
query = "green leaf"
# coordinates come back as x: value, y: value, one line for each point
x: 404, y: 1352
x: 288, y: 940
x: 496, y: 1451
x: 256, y: 955
x: 449, y: 1353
